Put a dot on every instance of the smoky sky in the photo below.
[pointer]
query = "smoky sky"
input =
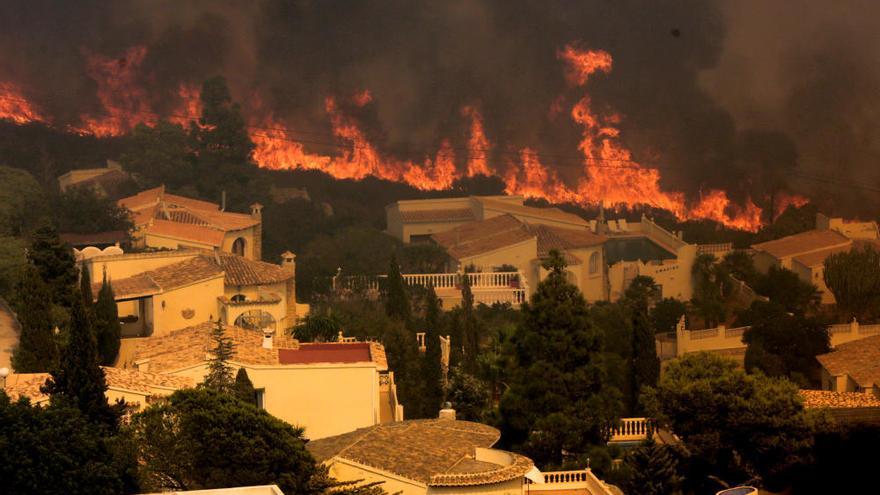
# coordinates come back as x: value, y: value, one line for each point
x: 735, y: 95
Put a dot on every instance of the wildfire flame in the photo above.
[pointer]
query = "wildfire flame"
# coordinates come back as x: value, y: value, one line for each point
x: 609, y: 173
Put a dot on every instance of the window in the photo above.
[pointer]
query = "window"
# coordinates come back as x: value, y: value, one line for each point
x: 594, y: 263
x: 238, y: 246
x: 256, y: 319
x: 261, y: 393
x: 238, y: 298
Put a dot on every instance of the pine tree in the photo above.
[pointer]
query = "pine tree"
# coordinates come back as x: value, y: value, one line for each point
x: 78, y: 378
x: 107, y: 328
x: 56, y: 264
x: 432, y: 368
x: 219, y: 375
x: 85, y: 287
x: 37, y: 350
x: 654, y: 470
x: 557, y: 400
x: 397, y: 298
x: 243, y: 388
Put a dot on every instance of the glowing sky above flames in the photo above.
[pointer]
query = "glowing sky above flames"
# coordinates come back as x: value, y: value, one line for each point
x: 609, y: 175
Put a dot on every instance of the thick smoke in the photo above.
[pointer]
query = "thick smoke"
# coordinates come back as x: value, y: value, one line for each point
x: 679, y: 69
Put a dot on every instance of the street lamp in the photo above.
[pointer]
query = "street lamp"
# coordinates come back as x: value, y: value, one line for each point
x: 4, y: 372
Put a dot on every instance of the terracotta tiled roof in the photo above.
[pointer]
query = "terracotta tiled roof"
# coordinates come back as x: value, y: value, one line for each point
x: 189, y: 232
x: 560, y: 239
x: 169, y: 277
x: 803, y: 243
x: 332, y: 352
x: 28, y: 384
x: 413, y: 216
x: 241, y: 271
x: 109, y: 237
x: 435, y: 452
x: 814, y: 399
x: 137, y: 286
x: 483, y: 236
x: 531, y: 211
x: 192, y: 345
x: 154, y: 205
x: 817, y: 258
x: 860, y: 359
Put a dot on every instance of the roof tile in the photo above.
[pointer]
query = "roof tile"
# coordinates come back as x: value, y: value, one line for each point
x: 803, y: 243
x: 483, y: 236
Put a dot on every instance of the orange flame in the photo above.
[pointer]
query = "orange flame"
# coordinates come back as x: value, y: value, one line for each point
x: 609, y: 172
x: 478, y: 144
x: 15, y: 107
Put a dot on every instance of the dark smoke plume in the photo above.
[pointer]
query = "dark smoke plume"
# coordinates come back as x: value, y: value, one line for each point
x: 672, y: 81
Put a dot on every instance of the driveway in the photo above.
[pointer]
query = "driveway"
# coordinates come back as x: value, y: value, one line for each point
x: 8, y: 335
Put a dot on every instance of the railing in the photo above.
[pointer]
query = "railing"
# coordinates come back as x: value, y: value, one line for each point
x: 488, y: 288
x: 489, y: 297
x: 631, y: 430
x: 583, y: 481
x: 437, y: 280
x: 715, y: 249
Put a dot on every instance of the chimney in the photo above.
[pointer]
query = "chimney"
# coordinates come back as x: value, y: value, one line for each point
x: 447, y: 412
x: 288, y: 262
x: 257, y: 214
x: 267, y: 340
x: 223, y: 201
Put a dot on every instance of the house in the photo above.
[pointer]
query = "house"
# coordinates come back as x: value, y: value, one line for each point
x: 805, y: 253
x: 105, y: 181
x: 602, y: 257
x: 160, y: 291
x: 328, y: 388
x: 135, y: 388
x: 238, y: 490
x: 443, y: 455
x: 416, y: 220
x: 853, y: 367
x: 168, y: 221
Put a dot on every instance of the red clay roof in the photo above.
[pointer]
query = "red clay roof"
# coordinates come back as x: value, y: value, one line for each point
x: 560, y: 239
x: 474, y: 238
x: 358, y: 352
x: 803, y: 243
x: 860, y: 359
x: 155, y: 204
x: 109, y: 237
x: 241, y: 271
x: 167, y: 277
x: 187, y: 232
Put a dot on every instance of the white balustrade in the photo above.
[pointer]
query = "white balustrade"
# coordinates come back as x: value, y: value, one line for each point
x: 631, y: 429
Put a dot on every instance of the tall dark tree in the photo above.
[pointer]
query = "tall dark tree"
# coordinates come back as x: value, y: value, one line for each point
x: 85, y: 287
x: 708, y: 283
x: 469, y: 326
x: 37, y: 349
x: 854, y: 279
x: 469, y: 395
x: 161, y: 154
x: 785, y: 287
x: 78, y: 379
x: 432, y: 367
x: 56, y: 450
x: 397, y: 297
x: 108, y: 331
x: 243, y: 388
x: 83, y: 210
x: 54, y: 260
x: 219, y: 375
x: 223, y: 147
x: 666, y: 314
x: 556, y: 401
x: 644, y: 366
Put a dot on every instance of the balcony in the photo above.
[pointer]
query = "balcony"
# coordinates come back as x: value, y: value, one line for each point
x: 631, y: 430
x: 581, y: 482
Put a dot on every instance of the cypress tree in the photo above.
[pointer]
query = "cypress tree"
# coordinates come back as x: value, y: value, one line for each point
x: 469, y: 327
x: 107, y: 328
x: 78, y: 379
x: 37, y: 350
x: 397, y: 297
x: 644, y: 365
x: 432, y: 368
x: 54, y: 260
x: 219, y: 375
x: 243, y: 388
x: 85, y: 286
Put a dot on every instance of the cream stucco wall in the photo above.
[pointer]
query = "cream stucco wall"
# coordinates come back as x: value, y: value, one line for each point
x: 325, y: 399
x: 278, y: 310
x: 200, y: 297
x: 247, y: 234
x: 519, y: 255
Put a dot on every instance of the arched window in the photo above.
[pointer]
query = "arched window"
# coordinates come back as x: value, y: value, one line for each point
x: 238, y: 246
x: 594, y: 262
x: 256, y: 320
x: 239, y: 298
